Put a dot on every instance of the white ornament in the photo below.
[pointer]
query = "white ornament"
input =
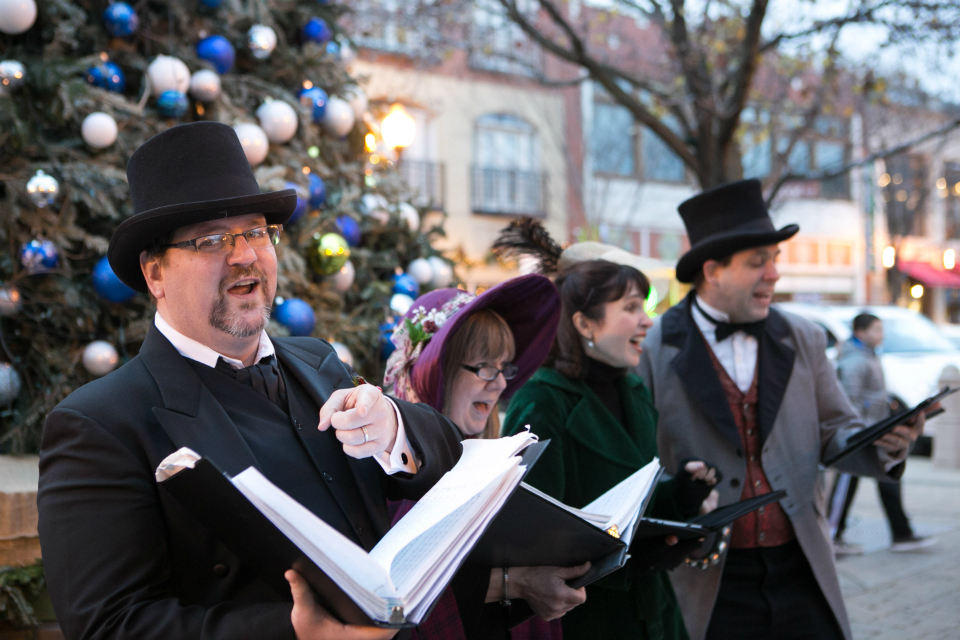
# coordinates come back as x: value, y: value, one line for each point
x: 357, y: 99
x: 376, y: 206
x: 16, y: 16
x: 421, y: 271
x: 254, y: 142
x: 338, y: 118
x: 261, y: 40
x: 342, y: 280
x: 409, y: 214
x: 167, y: 73
x: 9, y: 301
x: 278, y: 120
x: 442, y: 272
x: 99, y: 130
x: 12, y: 75
x: 343, y: 353
x: 400, y: 303
x: 42, y: 189
x: 9, y: 383
x: 347, y: 55
x: 100, y: 358
x: 205, y: 85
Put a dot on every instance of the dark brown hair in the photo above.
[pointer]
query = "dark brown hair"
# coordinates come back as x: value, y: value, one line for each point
x: 699, y: 278
x: 586, y: 287
x: 863, y: 321
x: 484, y: 336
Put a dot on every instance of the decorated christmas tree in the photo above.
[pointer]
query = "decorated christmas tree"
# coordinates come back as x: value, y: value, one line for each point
x: 84, y: 82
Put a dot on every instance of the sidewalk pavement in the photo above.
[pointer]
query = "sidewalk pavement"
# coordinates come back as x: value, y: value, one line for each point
x: 906, y: 595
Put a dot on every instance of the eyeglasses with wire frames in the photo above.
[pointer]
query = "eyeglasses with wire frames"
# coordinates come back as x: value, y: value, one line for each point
x: 489, y: 374
x: 257, y: 238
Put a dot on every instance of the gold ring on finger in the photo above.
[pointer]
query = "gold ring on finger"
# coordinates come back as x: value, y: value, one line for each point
x: 366, y: 436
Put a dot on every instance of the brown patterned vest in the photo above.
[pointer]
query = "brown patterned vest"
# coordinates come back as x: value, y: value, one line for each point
x: 767, y: 526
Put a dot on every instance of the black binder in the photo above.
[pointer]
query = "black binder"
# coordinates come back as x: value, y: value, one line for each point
x: 212, y: 498
x: 709, y: 523
x: 874, y: 432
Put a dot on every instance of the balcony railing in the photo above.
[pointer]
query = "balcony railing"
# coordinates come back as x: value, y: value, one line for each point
x: 425, y: 180
x: 509, y: 192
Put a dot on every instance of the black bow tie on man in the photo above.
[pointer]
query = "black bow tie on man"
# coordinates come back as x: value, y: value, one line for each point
x: 726, y: 329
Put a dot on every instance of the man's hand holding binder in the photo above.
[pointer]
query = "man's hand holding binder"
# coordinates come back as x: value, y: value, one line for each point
x: 903, y: 436
x: 313, y: 622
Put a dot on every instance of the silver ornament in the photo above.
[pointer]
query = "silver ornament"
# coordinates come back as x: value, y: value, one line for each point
x: 42, y: 189
x: 442, y: 272
x: 9, y: 383
x: 205, y: 85
x: 343, y: 353
x: 261, y: 40
x: 12, y: 74
x: 421, y: 271
x: 100, y: 358
x: 9, y: 301
x: 343, y: 279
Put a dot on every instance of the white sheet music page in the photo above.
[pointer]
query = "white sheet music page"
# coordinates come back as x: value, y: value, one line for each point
x: 623, y: 501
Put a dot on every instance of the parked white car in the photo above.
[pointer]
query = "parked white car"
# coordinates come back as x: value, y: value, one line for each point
x: 914, y: 353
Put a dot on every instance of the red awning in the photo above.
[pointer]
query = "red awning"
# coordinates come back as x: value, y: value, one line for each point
x: 929, y: 274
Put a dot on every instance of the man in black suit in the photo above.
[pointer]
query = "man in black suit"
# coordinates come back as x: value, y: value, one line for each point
x: 123, y: 559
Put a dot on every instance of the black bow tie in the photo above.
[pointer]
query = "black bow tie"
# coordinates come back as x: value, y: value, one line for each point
x: 726, y: 329
x: 263, y: 377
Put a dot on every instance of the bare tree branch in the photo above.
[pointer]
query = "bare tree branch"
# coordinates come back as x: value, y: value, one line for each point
x: 743, y: 78
x: 873, y: 157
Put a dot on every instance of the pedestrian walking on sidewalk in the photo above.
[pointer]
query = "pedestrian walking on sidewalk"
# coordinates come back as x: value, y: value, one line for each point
x: 861, y: 376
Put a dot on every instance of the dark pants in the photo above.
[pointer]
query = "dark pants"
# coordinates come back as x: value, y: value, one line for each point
x: 771, y: 594
x: 892, y: 500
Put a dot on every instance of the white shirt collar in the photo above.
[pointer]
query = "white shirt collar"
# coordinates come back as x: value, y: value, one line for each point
x: 190, y: 348
x: 702, y: 321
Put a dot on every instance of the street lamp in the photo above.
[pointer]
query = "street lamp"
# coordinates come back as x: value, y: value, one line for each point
x: 398, y: 128
x: 889, y: 257
x: 916, y: 291
x: 949, y: 259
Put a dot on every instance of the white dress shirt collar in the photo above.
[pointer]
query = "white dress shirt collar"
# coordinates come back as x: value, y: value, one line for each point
x: 714, y: 313
x: 190, y: 348
x: 737, y: 354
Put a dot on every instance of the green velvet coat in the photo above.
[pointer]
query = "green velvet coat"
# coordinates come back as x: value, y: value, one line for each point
x: 591, y: 451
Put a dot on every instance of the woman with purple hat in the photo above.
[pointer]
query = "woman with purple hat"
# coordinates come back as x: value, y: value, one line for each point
x: 461, y: 354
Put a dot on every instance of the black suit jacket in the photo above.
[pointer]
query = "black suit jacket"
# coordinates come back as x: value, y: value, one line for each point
x: 122, y: 558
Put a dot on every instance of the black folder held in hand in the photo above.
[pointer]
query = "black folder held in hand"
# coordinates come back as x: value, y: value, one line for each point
x: 874, y: 432
x: 394, y: 585
x: 709, y: 523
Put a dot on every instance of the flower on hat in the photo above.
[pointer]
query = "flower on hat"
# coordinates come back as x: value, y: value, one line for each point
x: 410, y: 337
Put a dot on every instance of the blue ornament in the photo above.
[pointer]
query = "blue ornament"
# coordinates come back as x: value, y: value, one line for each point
x: 302, y: 201
x: 172, y: 104
x: 108, y: 285
x: 349, y: 229
x: 297, y: 316
x: 317, y: 30
x: 218, y: 51
x: 120, y: 20
x: 386, y: 345
x: 107, y: 75
x: 333, y: 48
x: 211, y: 4
x: 315, y: 99
x: 38, y: 256
x: 405, y: 283
x: 318, y: 191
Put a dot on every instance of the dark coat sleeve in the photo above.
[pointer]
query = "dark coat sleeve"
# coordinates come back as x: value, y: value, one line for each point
x: 436, y: 443
x: 106, y: 548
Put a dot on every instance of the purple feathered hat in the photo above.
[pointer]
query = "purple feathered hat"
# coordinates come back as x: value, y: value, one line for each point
x: 530, y: 305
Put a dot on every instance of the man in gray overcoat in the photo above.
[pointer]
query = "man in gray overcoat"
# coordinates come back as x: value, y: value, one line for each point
x: 750, y: 388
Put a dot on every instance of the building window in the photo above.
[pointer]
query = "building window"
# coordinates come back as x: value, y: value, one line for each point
x: 659, y: 161
x: 905, y: 192
x: 506, y: 171
x: 951, y: 175
x: 391, y: 25
x: 612, y: 143
x: 497, y: 44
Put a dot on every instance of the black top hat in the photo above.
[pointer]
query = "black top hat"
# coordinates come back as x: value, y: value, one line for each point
x: 188, y: 174
x: 725, y: 220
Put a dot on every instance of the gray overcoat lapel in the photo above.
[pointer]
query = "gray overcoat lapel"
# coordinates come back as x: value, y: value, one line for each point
x: 693, y: 367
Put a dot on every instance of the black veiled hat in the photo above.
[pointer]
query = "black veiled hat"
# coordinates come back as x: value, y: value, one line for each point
x: 725, y: 220
x: 188, y: 174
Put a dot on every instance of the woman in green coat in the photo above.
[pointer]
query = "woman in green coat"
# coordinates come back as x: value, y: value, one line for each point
x: 601, y: 423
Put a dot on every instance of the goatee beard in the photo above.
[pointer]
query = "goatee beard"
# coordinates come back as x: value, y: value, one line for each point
x: 233, y: 322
